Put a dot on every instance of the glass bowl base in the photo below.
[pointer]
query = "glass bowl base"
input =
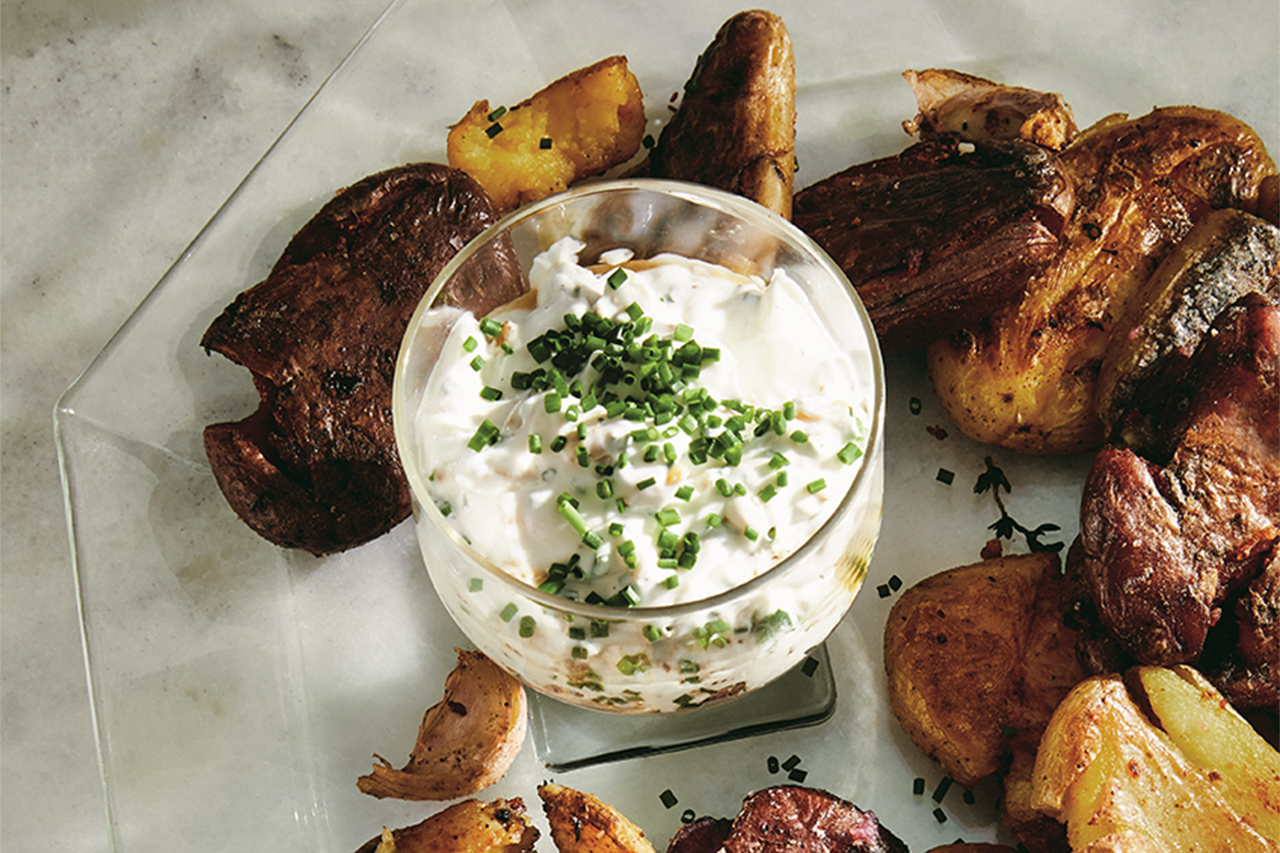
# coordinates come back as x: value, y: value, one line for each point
x: 569, y: 738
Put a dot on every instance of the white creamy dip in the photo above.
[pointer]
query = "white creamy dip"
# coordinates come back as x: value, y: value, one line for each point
x: 774, y: 357
x: 694, y: 428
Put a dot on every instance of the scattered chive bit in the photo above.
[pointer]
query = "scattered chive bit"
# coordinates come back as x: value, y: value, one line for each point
x: 810, y: 666
x: 946, y: 477
x: 497, y: 113
x: 446, y: 508
x: 668, y: 799
x: 772, y: 764
x: 493, y: 130
x: 714, y: 520
x: 652, y: 633
x: 791, y: 763
x: 915, y: 405
x: 849, y: 454
x: 645, y: 483
x: 490, y: 327
x: 477, y: 363
x: 551, y: 402
x: 578, y: 653
x: 508, y: 612
x: 941, y: 790
x: 917, y: 786
x: 616, y: 278
x: 767, y: 493
x: 781, y: 480
x: 616, y: 528
x: 672, y: 582
x: 883, y: 590
x: 751, y: 533
x: 545, y: 143
x: 800, y: 436
x: 667, y: 517
x: 490, y: 393
x: 688, y: 816
x: 789, y: 410
x: 778, y: 461
x: 797, y: 775
x: 816, y: 486
x: 684, y: 493
x: 476, y: 585
x: 470, y: 344
x: 969, y: 798
x: 939, y: 815
x: 558, y: 443
x: 895, y: 583
x: 535, y: 443
x: 527, y: 626
x: 648, y: 141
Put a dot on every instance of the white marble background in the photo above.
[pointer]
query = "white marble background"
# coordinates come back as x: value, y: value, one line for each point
x: 125, y: 124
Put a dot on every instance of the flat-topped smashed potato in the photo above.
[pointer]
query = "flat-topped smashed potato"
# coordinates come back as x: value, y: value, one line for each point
x: 583, y: 823
x: 466, y: 827
x: 581, y: 125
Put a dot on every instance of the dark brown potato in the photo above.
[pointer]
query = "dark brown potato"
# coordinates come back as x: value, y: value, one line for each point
x: 315, y: 467
x: 792, y: 819
x: 704, y: 835
x: 935, y: 239
x: 736, y: 126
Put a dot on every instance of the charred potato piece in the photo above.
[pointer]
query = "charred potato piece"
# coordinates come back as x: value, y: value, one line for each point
x: 466, y: 741
x: 736, y: 126
x: 935, y: 239
x: 582, y: 823
x: 977, y: 661
x: 581, y: 125
x: 1226, y: 255
x: 1027, y: 379
x: 703, y: 835
x: 467, y: 827
x: 980, y: 110
x: 1191, y: 776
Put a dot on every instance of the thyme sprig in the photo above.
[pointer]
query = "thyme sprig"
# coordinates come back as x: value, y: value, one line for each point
x: 993, y: 479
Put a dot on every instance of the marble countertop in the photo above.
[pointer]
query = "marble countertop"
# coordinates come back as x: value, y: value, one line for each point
x: 126, y: 124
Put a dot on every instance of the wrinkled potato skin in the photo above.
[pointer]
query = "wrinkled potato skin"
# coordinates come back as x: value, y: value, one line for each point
x: 594, y: 118
x: 1027, y: 378
x: 467, y: 827
x: 736, y: 126
x: 977, y: 660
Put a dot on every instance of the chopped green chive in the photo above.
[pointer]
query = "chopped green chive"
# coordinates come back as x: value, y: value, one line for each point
x: 477, y: 363
x: 645, y: 483
x: 508, y: 612
x: 714, y: 520
x: 778, y: 460
x: 490, y: 393
x: 799, y: 436
x: 684, y: 493
x: 490, y: 327
x: 551, y: 402
x: 578, y: 653
x: 470, y: 344
x: 667, y: 517
x: 672, y: 582
x: 485, y: 435
x: 558, y: 443
x: 493, y: 130
x: 751, y: 533
x: 476, y: 585
x: 816, y: 486
x: 616, y: 278
x: 497, y: 113
x: 767, y: 493
x: 604, y: 489
x: 849, y: 453
x: 652, y: 633
x: 527, y: 626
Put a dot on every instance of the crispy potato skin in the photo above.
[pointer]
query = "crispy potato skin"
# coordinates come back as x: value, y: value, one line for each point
x: 593, y: 119
x: 1027, y: 378
x: 736, y: 126
x: 978, y: 110
x: 582, y: 823
x: 467, y: 827
x: 977, y: 662
x: 466, y: 741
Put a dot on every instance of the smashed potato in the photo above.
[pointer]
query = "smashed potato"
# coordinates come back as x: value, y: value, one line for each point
x: 977, y: 661
x: 467, y: 827
x: 466, y: 741
x: 981, y: 110
x: 581, y: 125
x: 1027, y: 378
x: 1165, y: 763
x: 582, y: 823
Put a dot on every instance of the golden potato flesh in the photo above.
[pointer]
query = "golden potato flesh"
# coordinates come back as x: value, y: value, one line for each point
x: 1110, y: 773
x: 581, y: 125
x: 977, y: 659
x: 1027, y: 378
x: 467, y: 827
x: 582, y: 823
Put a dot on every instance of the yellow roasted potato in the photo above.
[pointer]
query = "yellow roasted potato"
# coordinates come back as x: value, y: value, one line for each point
x: 1027, y: 378
x: 581, y: 125
x: 466, y: 741
x: 467, y: 827
x: 1193, y: 776
x: 582, y: 823
x: 977, y: 659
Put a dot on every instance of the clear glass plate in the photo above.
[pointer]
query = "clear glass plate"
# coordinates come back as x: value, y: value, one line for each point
x: 239, y: 690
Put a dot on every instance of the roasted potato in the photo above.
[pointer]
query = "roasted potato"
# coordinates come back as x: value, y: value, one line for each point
x: 980, y: 110
x: 466, y: 741
x: 582, y: 823
x: 1226, y: 255
x: 1191, y: 776
x: 1027, y: 378
x: 977, y: 659
x: 467, y: 827
x: 581, y: 125
x: 736, y: 125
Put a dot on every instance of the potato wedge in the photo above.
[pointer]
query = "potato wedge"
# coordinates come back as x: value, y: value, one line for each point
x: 582, y: 823
x: 736, y: 126
x: 1027, y: 379
x: 467, y: 827
x: 1105, y: 769
x: 581, y: 125
x: 466, y: 741
x: 977, y: 659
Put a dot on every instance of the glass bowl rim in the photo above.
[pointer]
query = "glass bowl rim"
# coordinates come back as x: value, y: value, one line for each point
x: 734, y: 205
